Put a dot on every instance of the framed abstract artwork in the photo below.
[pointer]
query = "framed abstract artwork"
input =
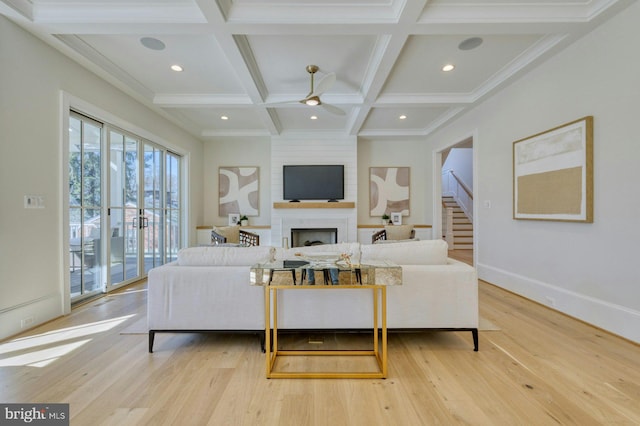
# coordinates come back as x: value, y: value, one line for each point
x: 553, y: 174
x: 389, y: 190
x: 238, y: 190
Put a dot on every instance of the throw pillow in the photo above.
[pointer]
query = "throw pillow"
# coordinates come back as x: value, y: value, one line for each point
x: 398, y: 232
x: 231, y: 233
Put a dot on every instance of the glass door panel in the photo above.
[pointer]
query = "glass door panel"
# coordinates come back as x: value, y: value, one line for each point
x: 153, y: 214
x: 85, y: 204
x: 172, y: 210
x: 123, y: 208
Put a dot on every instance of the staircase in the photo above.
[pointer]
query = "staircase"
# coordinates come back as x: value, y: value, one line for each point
x: 462, y: 226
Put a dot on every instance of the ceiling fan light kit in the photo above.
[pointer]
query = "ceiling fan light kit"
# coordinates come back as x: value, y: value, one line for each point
x: 312, y: 101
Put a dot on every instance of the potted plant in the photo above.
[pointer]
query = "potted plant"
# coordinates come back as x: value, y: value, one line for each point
x: 385, y: 219
x: 244, y: 220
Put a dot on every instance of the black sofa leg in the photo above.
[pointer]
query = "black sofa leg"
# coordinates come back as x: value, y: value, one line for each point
x: 263, y: 342
x: 474, y: 332
x: 152, y: 335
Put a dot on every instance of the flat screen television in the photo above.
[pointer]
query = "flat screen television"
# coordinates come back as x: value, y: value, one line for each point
x: 313, y: 182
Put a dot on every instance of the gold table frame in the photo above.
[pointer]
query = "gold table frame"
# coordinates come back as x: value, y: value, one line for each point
x: 379, y: 350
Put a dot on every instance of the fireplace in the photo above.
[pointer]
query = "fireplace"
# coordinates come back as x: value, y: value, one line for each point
x: 328, y: 230
x: 301, y: 237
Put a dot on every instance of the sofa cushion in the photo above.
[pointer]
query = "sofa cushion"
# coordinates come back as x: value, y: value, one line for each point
x: 289, y: 254
x: 231, y: 233
x: 408, y: 240
x: 398, y: 232
x: 225, y: 256
x: 425, y: 252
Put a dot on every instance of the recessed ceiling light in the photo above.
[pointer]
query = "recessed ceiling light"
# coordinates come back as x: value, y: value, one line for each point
x: 224, y: 117
x: 403, y: 117
x: 314, y: 117
x: 177, y: 68
x: 470, y: 43
x: 152, y: 43
x: 448, y: 67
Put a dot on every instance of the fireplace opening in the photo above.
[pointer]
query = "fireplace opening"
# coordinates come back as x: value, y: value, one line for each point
x: 301, y: 237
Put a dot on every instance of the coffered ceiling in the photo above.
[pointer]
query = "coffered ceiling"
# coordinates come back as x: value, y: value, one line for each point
x: 245, y: 59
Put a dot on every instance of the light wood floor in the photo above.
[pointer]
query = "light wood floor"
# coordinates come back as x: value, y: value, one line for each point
x: 540, y: 368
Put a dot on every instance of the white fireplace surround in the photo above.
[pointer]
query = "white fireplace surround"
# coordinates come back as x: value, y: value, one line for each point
x: 342, y: 225
x: 314, y: 150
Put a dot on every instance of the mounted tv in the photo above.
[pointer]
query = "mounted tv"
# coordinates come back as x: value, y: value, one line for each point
x: 313, y: 182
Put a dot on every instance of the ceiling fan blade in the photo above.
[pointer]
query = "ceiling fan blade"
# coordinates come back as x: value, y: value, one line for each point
x: 324, y: 84
x: 292, y: 101
x: 333, y: 109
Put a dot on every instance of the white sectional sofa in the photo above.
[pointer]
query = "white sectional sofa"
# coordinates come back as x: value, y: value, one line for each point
x: 207, y: 289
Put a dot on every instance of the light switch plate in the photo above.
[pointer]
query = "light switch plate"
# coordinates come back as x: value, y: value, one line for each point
x: 34, y: 201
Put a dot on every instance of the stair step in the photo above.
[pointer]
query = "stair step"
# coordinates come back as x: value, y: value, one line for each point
x: 463, y: 247
x: 462, y: 240
x: 461, y: 220
x: 462, y: 226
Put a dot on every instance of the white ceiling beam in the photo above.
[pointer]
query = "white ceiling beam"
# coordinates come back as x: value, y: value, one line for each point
x: 387, y: 50
x: 239, y: 54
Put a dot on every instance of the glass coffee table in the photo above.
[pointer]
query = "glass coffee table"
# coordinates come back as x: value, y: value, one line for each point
x: 374, y: 277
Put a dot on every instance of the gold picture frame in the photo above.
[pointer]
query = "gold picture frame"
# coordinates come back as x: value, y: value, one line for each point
x: 553, y: 174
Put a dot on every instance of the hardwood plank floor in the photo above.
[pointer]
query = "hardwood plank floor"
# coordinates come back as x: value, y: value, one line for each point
x: 541, y: 367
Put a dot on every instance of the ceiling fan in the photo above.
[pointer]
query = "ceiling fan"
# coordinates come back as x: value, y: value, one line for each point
x: 313, y: 98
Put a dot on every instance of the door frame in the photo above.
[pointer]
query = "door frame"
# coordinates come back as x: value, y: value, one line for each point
x: 437, y: 163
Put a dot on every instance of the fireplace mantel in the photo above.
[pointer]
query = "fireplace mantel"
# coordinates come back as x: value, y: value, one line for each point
x: 315, y: 205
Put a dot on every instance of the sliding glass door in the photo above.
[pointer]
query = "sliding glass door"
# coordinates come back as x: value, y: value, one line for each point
x: 116, y: 239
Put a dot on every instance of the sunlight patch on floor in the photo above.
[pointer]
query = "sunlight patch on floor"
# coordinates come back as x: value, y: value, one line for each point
x: 42, y: 349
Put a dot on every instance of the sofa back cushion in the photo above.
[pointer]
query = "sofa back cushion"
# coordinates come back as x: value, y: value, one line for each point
x: 225, y: 256
x: 424, y: 252
x: 289, y: 254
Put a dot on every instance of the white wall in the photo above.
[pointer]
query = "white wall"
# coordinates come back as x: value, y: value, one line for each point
x: 460, y: 160
x: 588, y: 271
x: 32, y: 78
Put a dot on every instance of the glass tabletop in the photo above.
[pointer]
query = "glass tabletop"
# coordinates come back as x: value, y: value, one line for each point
x: 378, y: 273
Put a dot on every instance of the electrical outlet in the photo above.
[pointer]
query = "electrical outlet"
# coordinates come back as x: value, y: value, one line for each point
x: 486, y: 204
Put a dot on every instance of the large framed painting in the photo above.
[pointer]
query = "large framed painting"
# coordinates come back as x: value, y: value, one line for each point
x: 238, y: 189
x: 389, y: 190
x: 553, y: 174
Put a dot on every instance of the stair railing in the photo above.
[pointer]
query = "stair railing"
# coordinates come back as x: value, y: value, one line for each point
x: 454, y: 187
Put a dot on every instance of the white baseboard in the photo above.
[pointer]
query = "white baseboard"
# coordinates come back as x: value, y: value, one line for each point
x: 616, y: 319
x: 30, y: 314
